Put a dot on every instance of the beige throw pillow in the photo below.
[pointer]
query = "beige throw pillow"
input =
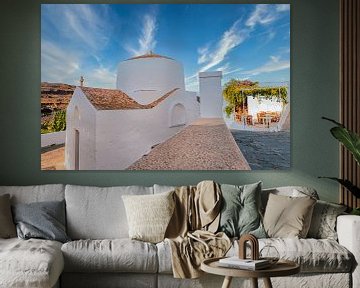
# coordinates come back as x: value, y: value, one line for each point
x: 288, y: 217
x: 149, y: 215
x: 7, y: 226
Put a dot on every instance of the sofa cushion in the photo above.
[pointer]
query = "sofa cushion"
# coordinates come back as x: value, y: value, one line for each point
x: 35, y: 193
x: 287, y: 216
x: 98, y: 213
x: 30, y: 263
x: 149, y: 215
x: 240, y: 210
x: 323, y: 222
x: 291, y: 191
x: 117, y: 255
x: 163, y: 188
x: 43, y: 220
x: 7, y: 226
x: 313, y: 255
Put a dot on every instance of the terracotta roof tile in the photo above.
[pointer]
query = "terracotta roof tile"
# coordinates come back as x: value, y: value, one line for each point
x: 151, y: 55
x: 114, y: 99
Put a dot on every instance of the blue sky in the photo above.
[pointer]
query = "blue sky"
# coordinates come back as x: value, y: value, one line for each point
x: 245, y: 41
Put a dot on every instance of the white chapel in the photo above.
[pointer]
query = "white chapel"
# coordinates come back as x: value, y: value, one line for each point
x: 109, y: 129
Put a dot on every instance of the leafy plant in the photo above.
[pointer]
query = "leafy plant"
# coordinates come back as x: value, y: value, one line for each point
x: 59, y: 122
x: 54, y: 124
x: 236, y: 91
x: 352, y: 142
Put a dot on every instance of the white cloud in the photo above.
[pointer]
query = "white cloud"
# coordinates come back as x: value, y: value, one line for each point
x: 215, y: 55
x: 58, y: 65
x: 228, y: 72
x: 192, y: 84
x: 270, y: 35
x: 224, y: 68
x: 274, y: 64
x: 282, y: 7
x: 82, y: 23
x: 101, y: 77
x: 191, y: 77
x: 263, y: 14
x: 203, y: 54
x: 62, y: 66
x: 146, y: 40
x: 229, y: 40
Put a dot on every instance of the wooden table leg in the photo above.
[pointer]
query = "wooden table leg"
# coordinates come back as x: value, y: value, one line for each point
x: 227, y: 282
x: 254, y: 282
x: 267, y: 283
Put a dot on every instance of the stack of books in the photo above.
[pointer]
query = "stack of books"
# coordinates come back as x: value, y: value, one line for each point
x: 248, y: 264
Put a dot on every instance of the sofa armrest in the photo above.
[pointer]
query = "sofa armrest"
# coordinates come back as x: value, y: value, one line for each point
x: 348, y: 230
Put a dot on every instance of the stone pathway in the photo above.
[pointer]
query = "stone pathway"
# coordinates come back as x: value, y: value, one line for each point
x: 264, y: 150
x: 206, y: 144
x: 53, y: 157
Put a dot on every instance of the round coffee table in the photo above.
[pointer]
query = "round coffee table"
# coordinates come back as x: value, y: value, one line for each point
x: 281, y: 268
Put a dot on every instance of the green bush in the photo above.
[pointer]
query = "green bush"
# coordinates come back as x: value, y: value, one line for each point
x: 56, y: 124
x: 59, y: 122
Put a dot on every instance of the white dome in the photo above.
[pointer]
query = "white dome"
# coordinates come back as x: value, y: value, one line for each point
x: 149, y: 74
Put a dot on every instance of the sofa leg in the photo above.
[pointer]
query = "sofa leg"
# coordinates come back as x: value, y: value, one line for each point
x: 254, y: 282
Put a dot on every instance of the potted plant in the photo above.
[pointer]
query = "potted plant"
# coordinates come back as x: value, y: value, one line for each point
x: 351, y: 141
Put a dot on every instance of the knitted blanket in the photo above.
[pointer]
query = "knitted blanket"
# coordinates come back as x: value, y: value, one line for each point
x: 191, y: 232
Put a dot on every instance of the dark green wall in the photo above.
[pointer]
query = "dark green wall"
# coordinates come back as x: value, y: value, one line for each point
x: 314, y: 92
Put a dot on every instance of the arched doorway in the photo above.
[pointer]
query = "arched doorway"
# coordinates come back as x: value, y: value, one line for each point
x: 76, y: 149
x: 177, y: 115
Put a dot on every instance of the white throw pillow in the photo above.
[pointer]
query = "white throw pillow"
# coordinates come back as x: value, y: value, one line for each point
x: 149, y: 215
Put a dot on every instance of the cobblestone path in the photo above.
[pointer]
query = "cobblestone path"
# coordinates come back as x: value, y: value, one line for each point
x: 264, y: 150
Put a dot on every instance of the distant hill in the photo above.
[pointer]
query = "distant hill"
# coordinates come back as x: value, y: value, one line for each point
x: 55, y: 96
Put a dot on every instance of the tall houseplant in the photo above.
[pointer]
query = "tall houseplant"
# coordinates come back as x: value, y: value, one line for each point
x: 351, y: 141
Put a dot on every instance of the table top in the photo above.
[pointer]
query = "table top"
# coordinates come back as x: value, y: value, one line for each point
x: 281, y: 268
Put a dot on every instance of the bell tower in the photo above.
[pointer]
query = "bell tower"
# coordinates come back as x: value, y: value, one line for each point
x: 211, y: 100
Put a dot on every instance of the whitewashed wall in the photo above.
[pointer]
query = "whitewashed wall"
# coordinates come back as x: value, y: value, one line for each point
x: 54, y: 138
x: 85, y: 123
x: 255, y: 105
x: 146, y: 97
x: 211, y: 100
x: 159, y: 74
x: 122, y: 137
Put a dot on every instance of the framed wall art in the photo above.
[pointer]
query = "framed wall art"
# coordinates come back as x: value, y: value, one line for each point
x: 165, y: 86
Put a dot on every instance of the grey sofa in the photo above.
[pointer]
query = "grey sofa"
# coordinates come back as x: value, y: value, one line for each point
x: 101, y: 255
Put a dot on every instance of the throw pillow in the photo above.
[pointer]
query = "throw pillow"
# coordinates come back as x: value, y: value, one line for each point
x: 43, y: 220
x: 288, y: 217
x: 7, y: 227
x: 149, y: 215
x: 323, y: 222
x: 240, y: 213
x: 293, y: 191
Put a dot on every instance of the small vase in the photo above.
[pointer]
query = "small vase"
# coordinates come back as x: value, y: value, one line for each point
x: 270, y: 253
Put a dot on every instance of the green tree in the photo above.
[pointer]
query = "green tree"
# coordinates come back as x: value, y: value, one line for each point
x: 59, y: 122
x: 235, y: 93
